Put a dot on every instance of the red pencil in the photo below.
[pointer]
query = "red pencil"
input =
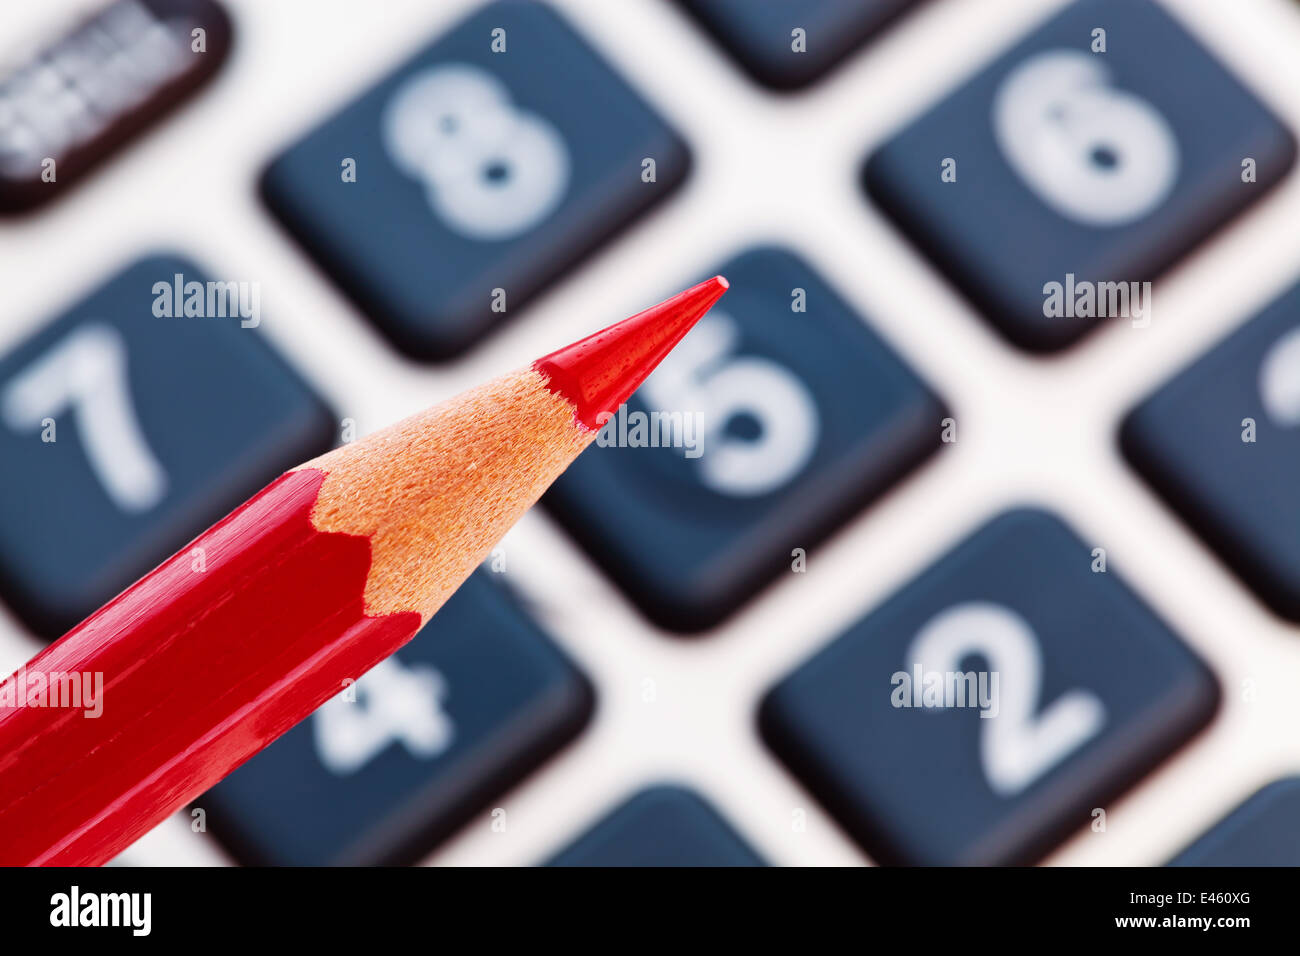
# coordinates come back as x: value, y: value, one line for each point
x: 322, y: 574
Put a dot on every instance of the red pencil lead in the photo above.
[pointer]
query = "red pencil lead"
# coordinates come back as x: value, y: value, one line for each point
x: 598, y: 373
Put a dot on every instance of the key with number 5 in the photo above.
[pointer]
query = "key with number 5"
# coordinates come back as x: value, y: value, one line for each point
x: 775, y: 419
x: 1098, y: 150
x: 992, y: 706
x: 126, y: 428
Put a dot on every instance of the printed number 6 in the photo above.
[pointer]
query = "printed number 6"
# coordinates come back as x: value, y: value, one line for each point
x: 1097, y: 155
x: 87, y: 372
x: 701, y: 376
x: 1016, y: 747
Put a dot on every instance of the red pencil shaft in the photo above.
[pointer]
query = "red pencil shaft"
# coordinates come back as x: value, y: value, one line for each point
x: 204, y: 661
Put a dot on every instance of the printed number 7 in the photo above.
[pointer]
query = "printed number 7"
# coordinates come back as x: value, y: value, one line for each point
x: 87, y: 372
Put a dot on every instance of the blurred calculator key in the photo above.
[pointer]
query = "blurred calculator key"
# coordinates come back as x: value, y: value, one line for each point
x: 77, y: 100
x: 787, y: 45
x: 450, y: 193
x: 1263, y: 831
x: 131, y: 422
x: 661, y: 826
x: 775, y: 419
x: 1221, y: 443
x: 1100, y: 149
x: 982, y: 713
x: 385, y: 770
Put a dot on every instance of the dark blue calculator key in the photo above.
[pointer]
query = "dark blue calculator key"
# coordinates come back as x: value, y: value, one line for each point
x: 73, y: 103
x: 451, y: 192
x: 1221, y: 443
x: 1263, y: 831
x: 1099, y: 149
x: 982, y: 713
x: 789, y: 45
x: 129, y: 423
x: 663, y: 825
x: 777, y: 418
x: 480, y: 697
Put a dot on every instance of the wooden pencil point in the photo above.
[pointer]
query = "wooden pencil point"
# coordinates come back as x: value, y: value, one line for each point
x: 308, y: 584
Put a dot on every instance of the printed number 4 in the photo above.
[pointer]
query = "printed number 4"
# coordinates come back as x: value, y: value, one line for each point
x: 1017, y: 746
x: 87, y: 372
x: 396, y: 704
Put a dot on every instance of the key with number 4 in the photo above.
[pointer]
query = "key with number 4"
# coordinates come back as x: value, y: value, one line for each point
x: 401, y: 758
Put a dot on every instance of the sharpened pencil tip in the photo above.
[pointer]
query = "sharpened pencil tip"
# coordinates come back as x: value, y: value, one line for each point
x: 598, y: 373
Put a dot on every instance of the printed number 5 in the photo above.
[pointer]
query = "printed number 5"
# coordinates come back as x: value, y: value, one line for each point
x: 1016, y: 747
x: 87, y: 372
x: 702, y: 376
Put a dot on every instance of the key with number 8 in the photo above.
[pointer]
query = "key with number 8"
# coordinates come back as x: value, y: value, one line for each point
x: 455, y: 189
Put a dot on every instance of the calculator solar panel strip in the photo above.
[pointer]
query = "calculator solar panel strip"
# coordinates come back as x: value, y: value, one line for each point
x: 78, y: 100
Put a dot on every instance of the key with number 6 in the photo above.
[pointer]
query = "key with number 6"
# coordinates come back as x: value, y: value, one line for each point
x: 1098, y: 150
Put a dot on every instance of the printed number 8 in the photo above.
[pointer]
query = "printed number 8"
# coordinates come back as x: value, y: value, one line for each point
x: 490, y: 170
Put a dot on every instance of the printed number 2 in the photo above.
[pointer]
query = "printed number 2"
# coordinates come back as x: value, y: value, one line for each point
x: 1017, y: 746
x: 87, y: 372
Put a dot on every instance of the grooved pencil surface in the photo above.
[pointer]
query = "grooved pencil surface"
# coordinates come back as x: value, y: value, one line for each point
x: 436, y: 491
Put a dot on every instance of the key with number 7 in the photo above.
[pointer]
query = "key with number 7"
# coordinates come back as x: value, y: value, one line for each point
x: 123, y: 433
